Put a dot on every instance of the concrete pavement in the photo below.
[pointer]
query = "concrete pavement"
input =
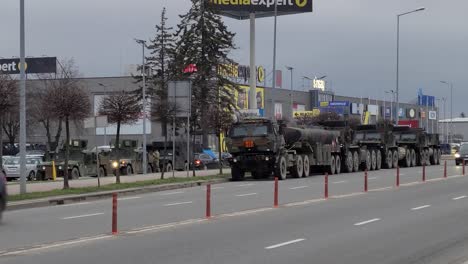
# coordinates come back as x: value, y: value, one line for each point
x: 310, y: 228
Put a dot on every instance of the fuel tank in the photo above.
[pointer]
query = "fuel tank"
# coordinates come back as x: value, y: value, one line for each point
x: 310, y: 135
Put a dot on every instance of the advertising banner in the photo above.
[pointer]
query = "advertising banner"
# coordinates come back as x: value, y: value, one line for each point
x: 302, y: 114
x: 242, y: 98
x: 33, y: 65
x: 278, y: 111
x: 388, y: 111
x: 289, y: 6
x: 410, y: 123
x: 432, y: 115
x: 373, y: 109
x: 339, y: 103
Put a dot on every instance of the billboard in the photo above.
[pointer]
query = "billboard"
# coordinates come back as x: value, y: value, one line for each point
x: 242, y: 98
x: 33, y: 65
x: 410, y: 123
x: 240, y: 9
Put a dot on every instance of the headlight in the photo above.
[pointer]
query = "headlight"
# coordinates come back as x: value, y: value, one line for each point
x: 267, y: 159
x: 457, y: 155
x: 43, y: 168
x: 60, y: 167
x: 115, y: 164
x: 234, y: 160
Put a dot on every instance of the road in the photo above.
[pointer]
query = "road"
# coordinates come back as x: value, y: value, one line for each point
x: 416, y: 223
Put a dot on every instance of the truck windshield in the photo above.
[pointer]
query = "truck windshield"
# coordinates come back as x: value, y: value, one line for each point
x: 464, y: 149
x: 249, y: 130
x: 408, y: 137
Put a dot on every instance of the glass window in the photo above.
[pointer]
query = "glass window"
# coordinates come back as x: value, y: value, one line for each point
x: 464, y: 149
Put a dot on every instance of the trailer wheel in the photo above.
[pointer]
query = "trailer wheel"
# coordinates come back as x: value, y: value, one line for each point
x: 367, y: 163
x: 439, y: 154
x: 389, y: 160
x: 356, y: 161
x: 298, y: 169
x: 395, y: 159
x: 102, y: 172
x: 407, y: 160
x: 237, y: 174
x: 413, y: 158
x: 373, y: 160
x: 433, y: 158
x: 281, y: 169
x: 332, y: 166
x: 349, y: 162
x: 338, y: 164
x: 75, y: 173
x: 306, y: 166
x: 379, y: 160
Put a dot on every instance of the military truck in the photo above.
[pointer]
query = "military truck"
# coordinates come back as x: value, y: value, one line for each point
x: 131, y: 159
x: 265, y: 148
x: 416, y: 147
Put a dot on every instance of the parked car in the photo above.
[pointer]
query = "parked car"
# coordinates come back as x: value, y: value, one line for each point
x: 203, y: 161
x: 3, y: 192
x: 12, y: 167
x: 461, y: 155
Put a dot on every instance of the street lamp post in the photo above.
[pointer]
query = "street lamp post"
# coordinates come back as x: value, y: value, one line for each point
x: 291, y: 69
x: 143, y: 73
x: 391, y: 102
x: 450, y: 86
x: 398, y: 60
x: 22, y: 139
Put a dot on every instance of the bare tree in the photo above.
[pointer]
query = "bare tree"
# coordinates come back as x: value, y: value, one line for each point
x: 121, y: 108
x: 68, y: 101
x: 8, y: 99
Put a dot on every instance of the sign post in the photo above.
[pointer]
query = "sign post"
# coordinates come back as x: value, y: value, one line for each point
x: 96, y: 122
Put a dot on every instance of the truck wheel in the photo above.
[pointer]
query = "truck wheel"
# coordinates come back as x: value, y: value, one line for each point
x: 338, y: 164
x: 306, y: 166
x: 439, y: 155
x: 395, y: 159
x: 75, y: 173
x: 379, y: 160
x: 281, y: 169
x: 102, y: 172
x: 433, y: 158
x: 332, y: 166
x: 298, y: 169
x: 236, y: 173
x: 373, y: 160
x: 413, y: 158
x: 169, y: 167
x: 32, y: 176
x: 356, y: 161
x: 349, y: 162
x: 389, y: 160
x: 128, y: 170
x: 407, y: 160
x: 367, y: 163
x: 428, y: 158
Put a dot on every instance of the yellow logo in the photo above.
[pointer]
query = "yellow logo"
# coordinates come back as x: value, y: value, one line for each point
x: 260, y: 74
x: 21, y: 66
x: 301, y: 3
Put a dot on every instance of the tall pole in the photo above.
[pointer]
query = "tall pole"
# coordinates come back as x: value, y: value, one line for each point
x: 397, y: 71
x: 253, y: 69
x: 22, y: 138
x: 451, y: 112
x: 291, y: 90
x: 143, y: 73
x: 274, y: 45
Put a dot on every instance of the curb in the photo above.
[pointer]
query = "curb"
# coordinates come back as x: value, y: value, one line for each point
x: 60, y: 200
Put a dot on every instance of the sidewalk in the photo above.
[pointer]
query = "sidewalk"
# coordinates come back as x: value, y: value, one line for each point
x: 87, y: 182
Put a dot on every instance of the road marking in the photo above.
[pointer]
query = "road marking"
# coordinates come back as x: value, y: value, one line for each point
x: 247, y: 194
x: 56, y: 245
x: 459, y: 197
x: 421, y: 207
x: 171, y: 204
x: 436, y: 179
x: 165, y: 226
x: 410, y: 183
x: 372, y: 178
x: 304, y: 202
x: 216, y: 188
x: 285, y: 243
x: 337, y: 182
x: 171, y: 193
x: 381, y: 189
x: 298, y: 187
x: 81, y: 216
x: 73, y: 204
x: 245, y: 185
x: 367, y: 222
x: 129, y: 198
x: 348, y: 195
x: 246, y: 212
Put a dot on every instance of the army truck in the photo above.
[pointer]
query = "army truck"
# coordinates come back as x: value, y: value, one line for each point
x: 265, y: 148
x: 416, y: 147
x: 129, y: 161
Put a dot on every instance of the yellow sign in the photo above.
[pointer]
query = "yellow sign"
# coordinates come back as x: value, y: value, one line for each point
x: 260, y: 74
x: 324, y: 104
x: 300, y: 114
x: 242, y: 97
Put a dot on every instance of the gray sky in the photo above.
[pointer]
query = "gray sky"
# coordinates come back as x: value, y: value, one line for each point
x: 351, y: 41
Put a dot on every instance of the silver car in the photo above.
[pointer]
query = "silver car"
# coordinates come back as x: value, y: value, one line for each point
x: 12, y: 167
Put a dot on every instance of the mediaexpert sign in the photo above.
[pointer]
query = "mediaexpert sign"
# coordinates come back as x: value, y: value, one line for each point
x: 293, y: 6
x: 33, y: 65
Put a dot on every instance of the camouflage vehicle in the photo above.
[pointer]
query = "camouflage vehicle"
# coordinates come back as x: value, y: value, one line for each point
x: 131, y: 158
x: 265, y: 148
x: 416, y: 147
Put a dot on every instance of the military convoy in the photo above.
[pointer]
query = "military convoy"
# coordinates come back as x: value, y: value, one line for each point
x: 83, y: 162
x: 264, y: 148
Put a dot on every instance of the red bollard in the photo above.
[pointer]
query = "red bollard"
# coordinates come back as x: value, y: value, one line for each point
x: 275, y: 203
x: 208, y: 201
x: 114, y: 214
x: 463, y: 167
x: 424, y: 173
x: 326, y: 185
x: 365, y: 181
x: 445, y: 169
x: 398, y: 176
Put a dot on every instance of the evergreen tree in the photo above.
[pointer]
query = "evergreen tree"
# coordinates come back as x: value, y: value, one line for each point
x: 203, y: 40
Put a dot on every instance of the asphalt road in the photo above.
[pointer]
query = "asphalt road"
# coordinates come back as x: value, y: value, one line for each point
x: 416, y: 223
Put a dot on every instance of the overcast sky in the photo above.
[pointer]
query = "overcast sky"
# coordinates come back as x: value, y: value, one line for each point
x: 353, y: 42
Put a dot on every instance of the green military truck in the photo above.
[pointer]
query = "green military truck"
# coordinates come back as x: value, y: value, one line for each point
x: 265, y: 148
x: 416, y: 147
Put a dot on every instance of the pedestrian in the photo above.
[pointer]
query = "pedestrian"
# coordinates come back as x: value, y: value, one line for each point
x: 156, y: 157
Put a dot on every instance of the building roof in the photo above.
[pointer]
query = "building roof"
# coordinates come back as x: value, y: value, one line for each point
x: 455, y: 120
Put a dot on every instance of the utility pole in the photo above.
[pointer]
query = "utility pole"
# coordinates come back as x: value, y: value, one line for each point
x: 143, y: 74
x: 22, y: 139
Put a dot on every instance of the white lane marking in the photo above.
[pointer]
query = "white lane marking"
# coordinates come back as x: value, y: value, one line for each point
x: 44, y: 247
x: 339, y: 182
x: 410, y: 183
x: 165, y: 226
x: 304, y: 202
x: 129, y: 198
x: 372, y: 178
x: 367, y: 222
x: 435, y: 179
x: 247, y: 194
x: 245, y: 185
x: 421, y: 207
x: 348, y: 195
x: 285, y: 243
x: 81, y: 216
x: 216, y: 188
x: 459, y: 197
x: 73, y: 204
x: 171, y: 193
x: 381, y: 189
x: 298, y: 187
x: 171, y: 204
x: 246, y: 212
